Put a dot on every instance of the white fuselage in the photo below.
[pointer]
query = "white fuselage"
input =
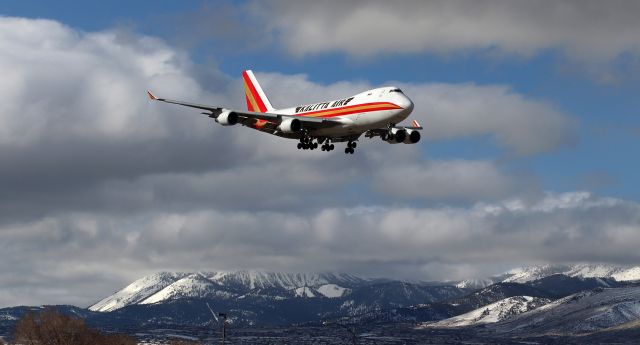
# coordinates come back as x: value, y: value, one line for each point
x: 371, y: 109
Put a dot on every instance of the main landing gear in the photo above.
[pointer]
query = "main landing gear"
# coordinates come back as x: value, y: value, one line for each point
x: 350, y: 149
x: 306, y: 143
x: 328, y: 146
x: 309, y: 143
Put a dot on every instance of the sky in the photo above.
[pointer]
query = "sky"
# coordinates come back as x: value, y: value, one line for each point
x: 527, y: 157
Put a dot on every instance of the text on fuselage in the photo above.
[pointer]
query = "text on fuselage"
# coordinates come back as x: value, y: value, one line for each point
x: 324, y: 105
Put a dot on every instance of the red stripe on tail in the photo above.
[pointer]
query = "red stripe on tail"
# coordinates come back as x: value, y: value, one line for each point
x: 256, y: 96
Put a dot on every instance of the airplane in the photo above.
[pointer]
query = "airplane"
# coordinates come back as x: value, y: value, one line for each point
x: 373, y: 113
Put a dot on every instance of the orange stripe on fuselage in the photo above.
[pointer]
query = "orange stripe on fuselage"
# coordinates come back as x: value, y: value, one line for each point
x: 352, y: 109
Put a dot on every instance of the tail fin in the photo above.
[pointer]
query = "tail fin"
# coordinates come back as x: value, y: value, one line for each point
x: 256, y: 99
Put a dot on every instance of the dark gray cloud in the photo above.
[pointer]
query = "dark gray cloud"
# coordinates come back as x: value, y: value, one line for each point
x: 101, y: 186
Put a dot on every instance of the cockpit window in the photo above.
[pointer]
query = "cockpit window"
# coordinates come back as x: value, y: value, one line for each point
x: 395, y: 90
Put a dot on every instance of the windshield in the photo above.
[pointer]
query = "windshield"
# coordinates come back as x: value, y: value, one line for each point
x: 395, y: 90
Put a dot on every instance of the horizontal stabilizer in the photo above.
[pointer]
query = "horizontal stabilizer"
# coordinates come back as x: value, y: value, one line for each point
x: 151, y: 96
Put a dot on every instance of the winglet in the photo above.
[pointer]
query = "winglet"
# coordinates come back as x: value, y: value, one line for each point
x: 151, y: 96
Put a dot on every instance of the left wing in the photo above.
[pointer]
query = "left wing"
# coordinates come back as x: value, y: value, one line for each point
x: 250, y: 118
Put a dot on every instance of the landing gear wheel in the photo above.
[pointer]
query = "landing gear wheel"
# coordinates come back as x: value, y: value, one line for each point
x: 299, y: 146
x: 315, y: 145
x: 331, y: 147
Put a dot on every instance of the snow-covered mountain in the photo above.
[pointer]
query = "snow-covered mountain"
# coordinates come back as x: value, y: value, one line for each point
x: 166, y: 286
x: 491, y: 313
x: 476, y: 283
x: 137, y: 291
x: 582, y: 312
x: 531, y: 273
x: 261, y: 298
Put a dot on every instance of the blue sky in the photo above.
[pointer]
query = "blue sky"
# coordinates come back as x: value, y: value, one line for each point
x: 531, y: 128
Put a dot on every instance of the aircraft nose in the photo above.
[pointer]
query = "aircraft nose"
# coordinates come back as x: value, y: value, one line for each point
x: 406, y: 103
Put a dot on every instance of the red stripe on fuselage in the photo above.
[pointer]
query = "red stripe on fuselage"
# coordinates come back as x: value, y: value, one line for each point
x: 356, y: 108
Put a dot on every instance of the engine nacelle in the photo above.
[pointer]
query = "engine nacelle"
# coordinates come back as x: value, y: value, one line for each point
x: 227, y: 118
x: 290, y: 126
x: 413, y: 136
x: 396, y: 135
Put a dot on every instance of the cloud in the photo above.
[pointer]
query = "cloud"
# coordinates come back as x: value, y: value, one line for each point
x: 442, y: 180
x: 81, y: 251
x: 581, y: 30
x: 101, y: 186
x: 522, y: 126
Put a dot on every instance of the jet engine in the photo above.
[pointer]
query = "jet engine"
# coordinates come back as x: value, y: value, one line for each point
x: 227, y: 118
x: 290, y: 126
x: 396, y: 136
x: 413, y: 136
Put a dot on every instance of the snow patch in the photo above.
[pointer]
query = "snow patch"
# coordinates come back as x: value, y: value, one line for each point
x: 332, y: 290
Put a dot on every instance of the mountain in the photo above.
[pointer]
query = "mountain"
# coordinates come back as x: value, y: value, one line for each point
x: 545, y: 289
x: 263, y: 298
x: 527, y: 274
x: 560, y: 285
x: 393, y: 294
x: 498, y: 292
x: 166, y: 286
x: 583, y: 312
x: 446, y: 308
x: 186, y: 301
x: 493, y: 312
x: 137, y: 291
x: 476, y: 283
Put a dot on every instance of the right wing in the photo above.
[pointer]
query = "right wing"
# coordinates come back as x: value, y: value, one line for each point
x: 252, y: 119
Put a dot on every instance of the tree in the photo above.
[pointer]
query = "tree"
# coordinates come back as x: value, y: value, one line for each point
x: 52, y: 328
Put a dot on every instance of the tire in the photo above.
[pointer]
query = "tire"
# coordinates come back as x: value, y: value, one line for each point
x: 353, y: 145
x: 331, y: 147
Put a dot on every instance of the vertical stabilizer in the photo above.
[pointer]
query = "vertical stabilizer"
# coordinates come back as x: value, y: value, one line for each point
x: 256, y: 99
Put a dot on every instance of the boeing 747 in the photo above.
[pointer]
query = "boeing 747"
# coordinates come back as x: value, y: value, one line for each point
x: 372, y: 113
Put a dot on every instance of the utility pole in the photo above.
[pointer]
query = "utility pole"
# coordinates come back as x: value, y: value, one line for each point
x: 224, y: 326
